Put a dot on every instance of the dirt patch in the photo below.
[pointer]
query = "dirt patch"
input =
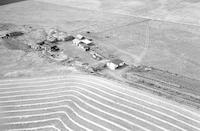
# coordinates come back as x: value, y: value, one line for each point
x: 14, y: 44
x: 166, y: 84
x: 21, y: 37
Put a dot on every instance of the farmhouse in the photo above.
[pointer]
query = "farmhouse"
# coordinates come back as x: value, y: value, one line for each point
x: 115, y: 63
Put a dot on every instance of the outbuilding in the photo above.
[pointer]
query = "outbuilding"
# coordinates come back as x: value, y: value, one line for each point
x: 80, y: 37
x: 84, y: 46
x: 115, y: 63
x: 55, y: 48
x: 76, y: 42
x: 96, y: 56
x: 86, y: 41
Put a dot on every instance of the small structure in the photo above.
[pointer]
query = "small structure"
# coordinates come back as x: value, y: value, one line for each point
x: 115, y: 63
x: 76, y: 42
x: 98, y: 66
x: 39, y: 48
x: 147, y: 68
x: 51, y: 39
x: 55, y: 48
x: 53, y: 31
x: 96, y: 56
x: 69, y: 38
x: 80, y: 37
x: 63, y: 36
x: 86, y: 41
x: 59, y: 35
x: 12, y: 35
x: 41, y: 43
x: 58, y: 56
x: 83, y: 39
x: 84, y: 46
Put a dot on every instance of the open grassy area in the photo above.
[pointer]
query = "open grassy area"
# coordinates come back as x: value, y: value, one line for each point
x: 137, y: 37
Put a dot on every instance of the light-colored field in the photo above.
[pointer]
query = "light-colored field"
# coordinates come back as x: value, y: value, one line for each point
x: 176, y: 11
x: 79, y: 102
x: 172, y: 47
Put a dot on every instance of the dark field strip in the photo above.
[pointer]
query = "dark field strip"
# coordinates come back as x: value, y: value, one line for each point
x: 81, y: 102
x: 4, y: 2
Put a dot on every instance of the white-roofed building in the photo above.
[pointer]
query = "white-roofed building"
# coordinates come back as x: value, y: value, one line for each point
x: 115, y: 63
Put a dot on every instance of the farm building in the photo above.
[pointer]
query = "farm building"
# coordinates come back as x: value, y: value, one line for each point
x: 80, y: 37
x: 62, y: 36
x: 55, y: 48
x: 76, y: 42
x: 86, y: 41
x: 83, y: 39
x: 115, y: 63
x: 51, y: 39
x: 95, y: 55
x: 84, y: 46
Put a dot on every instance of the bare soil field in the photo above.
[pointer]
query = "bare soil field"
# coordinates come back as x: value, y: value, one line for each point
x: 84, y: 102
x: 176, y: 11
x: 167, y: 46
x: 4, y: 2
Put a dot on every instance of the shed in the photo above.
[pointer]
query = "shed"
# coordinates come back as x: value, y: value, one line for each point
x: 115, y: 63
x: 80, y: 37
x: 86, y: 41
x: 76, y: 42
x: 84, y: 46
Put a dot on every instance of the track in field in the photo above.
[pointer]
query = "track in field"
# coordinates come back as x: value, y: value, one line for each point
x: 80, y: 102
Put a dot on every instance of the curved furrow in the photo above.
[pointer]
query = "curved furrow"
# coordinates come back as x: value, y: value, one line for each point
x: 181, y: 118
x: 32, y: 79
x: 91, y: 109
x: 59, y: 113
x: 172, y: 118
x: 55, y: 84
x: 95, y: 117
x: 35, y: 124
x: 99, y: 80
x: 121, y: 113
x: 93, y: 121
x: 40, y: 80
x: 83, y: 102
x: 68, y: 122
x: 69, y: 117
x: 84, y: 115
x: 125, y: 94
x: 44, y: 128
x: 111, y: 116
x: 183, y: 129
x: 162, y: 103
x: 148, y: 118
